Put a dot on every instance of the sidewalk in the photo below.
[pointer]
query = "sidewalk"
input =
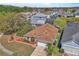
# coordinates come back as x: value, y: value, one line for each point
x: 5, y: 50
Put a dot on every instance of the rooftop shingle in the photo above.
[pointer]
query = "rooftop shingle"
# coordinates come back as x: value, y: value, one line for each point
x: 45, y: 32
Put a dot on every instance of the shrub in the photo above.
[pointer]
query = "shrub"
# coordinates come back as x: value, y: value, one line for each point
x: 52, y: 50
x: 61, y: 50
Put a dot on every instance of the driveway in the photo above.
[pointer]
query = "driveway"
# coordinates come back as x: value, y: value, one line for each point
x: 39, y: 51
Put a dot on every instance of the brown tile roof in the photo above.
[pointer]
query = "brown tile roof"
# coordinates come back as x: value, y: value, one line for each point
x: 45, y: 32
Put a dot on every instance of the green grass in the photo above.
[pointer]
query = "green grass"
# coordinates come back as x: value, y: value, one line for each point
x: 18, y: 48
x: 61, y: 22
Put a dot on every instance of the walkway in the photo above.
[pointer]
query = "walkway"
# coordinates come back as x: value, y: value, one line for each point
x: 39, y: 51
x: 5, y: 50
x: 1, y: 35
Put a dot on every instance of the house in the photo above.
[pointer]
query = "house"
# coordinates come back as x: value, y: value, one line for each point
x: 38, y: 19
x: 68, y: 14
x: 42, y: 35
x: 76, y: 14
x: 49, y: 20
x: 70, y: 39
x: 55, y: 15
x: 25, y: 16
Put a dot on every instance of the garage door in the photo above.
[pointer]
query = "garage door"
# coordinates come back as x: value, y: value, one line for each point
x: 42, y: 44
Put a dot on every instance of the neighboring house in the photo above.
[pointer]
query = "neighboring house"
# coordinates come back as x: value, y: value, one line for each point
x: 42, y: 35
x: 49, y: 20
x: 76, y: 14
x: 34, y: 12
x: 68, y: 14
x: 25, y: 16
x: 55, y: 15
x: 38, y: 19
x: 70, y: 39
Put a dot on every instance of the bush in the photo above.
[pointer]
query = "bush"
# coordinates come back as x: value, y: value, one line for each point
x: 52, y: 50
x: 15, y: 54
x: 61, y: 50
x: 61, y: 22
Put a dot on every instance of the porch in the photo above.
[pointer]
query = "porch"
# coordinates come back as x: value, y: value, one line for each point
x: 30, y: 39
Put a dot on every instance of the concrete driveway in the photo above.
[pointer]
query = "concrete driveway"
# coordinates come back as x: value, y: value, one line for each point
x: 39, y: 51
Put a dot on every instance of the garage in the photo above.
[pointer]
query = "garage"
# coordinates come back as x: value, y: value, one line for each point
x: 42, y: 44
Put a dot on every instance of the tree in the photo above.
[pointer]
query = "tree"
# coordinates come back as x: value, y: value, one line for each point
x: 71, y: 10
x: 24, y: 29
x: 52, y: 50
x: 8, y: 8
x: 73, y: 19
x: 61, y: 22
x: 4, y: 21
x: 9, y: 22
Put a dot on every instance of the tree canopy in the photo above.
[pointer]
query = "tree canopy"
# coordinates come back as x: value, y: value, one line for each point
x: 11, y: 22
x: 61, y: 22
x: 8, y: 8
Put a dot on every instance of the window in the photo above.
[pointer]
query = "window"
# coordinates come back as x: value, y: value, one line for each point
x: 32, y: 39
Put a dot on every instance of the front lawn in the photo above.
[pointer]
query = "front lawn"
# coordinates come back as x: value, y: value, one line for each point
x: 18, y: 48
x: 2, y: 53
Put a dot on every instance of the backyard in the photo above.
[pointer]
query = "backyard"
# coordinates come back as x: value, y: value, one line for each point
x: 18, y: 49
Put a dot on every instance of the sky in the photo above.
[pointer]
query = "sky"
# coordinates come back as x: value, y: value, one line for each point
x: 43, y: 4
